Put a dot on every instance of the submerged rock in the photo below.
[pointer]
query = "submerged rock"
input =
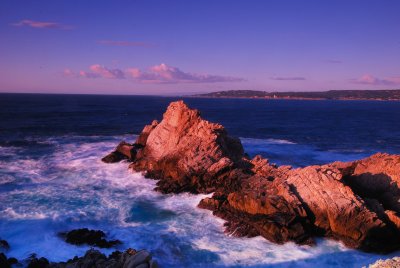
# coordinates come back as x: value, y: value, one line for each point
x: 355, y: 202
x: 89, y: 237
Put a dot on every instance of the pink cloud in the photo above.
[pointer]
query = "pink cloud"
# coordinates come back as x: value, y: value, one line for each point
x: 96, y: 71
x: 41, y: 24
x: 134, y: 72
x: 68, y: 72
x: 164, y: 73
x: 104, y: 72
x: 158, y: 74
x: 368, y: 79
x: 124, y: 43
x: 88, y: 74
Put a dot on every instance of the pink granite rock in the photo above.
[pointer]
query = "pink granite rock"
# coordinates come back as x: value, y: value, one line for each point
x: 355, y: 202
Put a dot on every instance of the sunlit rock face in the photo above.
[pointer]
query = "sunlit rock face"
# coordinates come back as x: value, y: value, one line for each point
x: 355, y: 202
x: 183, y: 149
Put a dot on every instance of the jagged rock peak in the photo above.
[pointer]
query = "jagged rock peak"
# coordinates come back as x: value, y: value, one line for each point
x: 184, y: 148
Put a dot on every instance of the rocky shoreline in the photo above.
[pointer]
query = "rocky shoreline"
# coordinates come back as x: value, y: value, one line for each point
x: 92, y: 258
x: 130, y: 258
x: 354, y: 202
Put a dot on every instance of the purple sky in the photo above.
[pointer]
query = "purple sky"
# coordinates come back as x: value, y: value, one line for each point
x: 184, y: 47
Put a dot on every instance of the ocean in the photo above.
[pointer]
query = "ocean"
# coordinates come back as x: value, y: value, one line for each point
x: 52, y: 178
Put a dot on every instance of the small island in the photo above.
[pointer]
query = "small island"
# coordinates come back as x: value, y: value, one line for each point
x: 382, y: 95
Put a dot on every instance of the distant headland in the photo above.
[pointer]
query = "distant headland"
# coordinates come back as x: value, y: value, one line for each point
x: 384, y: 95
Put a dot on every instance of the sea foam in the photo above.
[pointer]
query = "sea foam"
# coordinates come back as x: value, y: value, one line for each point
x: 67, y: 186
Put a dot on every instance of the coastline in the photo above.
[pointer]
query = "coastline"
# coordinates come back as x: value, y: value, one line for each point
x: 345, y: 95
x: 292, y: 98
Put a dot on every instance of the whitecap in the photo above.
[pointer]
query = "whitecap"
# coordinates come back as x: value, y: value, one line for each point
x: 266, y: 141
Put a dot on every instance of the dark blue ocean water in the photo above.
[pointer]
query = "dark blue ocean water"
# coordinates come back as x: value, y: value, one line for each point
x: 354, y: 128
x: 51, y: 178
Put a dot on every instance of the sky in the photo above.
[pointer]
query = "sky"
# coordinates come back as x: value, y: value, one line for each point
x: 178, y: 47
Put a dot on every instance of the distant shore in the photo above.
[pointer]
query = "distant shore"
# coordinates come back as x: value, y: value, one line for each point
x: 345, y: 95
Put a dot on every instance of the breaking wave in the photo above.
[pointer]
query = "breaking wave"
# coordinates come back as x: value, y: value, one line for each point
x: 64, y: 185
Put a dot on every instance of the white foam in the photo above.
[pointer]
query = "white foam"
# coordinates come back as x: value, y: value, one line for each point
x: 70, y: 188
x: 8, y: 150
x: 11, y: 213
x: 266, y: 141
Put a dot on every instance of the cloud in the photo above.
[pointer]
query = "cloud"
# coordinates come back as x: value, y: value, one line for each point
x: 124, y: 43
x: 368, y: 79
x: 158, y: 74
x: 164, y: 73
x: 68, y: 72
x: 88, y: 74
x: 290, y: 78
x: 107, y: 73
x: 41, y: 24
x: 96, y: 71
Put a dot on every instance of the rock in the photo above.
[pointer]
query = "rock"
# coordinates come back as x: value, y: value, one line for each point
x: 139, y: 258
x: 183, y: 148
x: 153, y: 264
x: 337, y: 211
x: 143, y: 265
x: 94, y: 258
x: 4, y: 245
x: 123, y: 151
x: 6, y: 263
x: 38, y: 263
x: 389, y: 263
x: 12, y: 261
x: 393, y: 217
x: 90, y: 237
x: 3, y: 261
x: 355, y: 202
x: 142, y: 138
x: 113, y: 157
x: 377, y: 177
x: 263, y: 207
x: 282, y: 205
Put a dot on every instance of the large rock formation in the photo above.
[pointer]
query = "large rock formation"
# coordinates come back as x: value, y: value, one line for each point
x: 355, y: 202
x: 183, y: 150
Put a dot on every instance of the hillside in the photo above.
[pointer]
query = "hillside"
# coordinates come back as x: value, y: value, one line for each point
x: 323, y: 95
